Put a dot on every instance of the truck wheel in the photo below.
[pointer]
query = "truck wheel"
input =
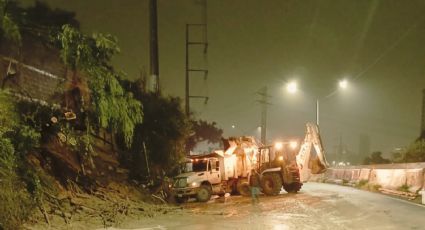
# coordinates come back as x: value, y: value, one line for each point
x: 243, y: 188
x: 271, y: 184
x: 204, y: 193
x: 293, y: 187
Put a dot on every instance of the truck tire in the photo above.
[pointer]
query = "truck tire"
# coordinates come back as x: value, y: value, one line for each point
x: 243, y: 188
x: 204, y: 193
x: 293, y: 187
x: 271, y: 184
x: 295, y: 184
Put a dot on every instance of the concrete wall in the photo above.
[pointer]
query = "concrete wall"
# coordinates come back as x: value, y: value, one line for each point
x: 390, y: 176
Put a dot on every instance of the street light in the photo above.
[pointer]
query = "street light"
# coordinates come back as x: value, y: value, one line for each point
x: 292, y: 88
x: 343, y: 84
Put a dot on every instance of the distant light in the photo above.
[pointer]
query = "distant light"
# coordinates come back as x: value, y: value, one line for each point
x: 292, y: 87
x: 280, y: 158
x: 293, y: 144
x: 343, y: 84
x: 233, y: 126
x: 278, y: 145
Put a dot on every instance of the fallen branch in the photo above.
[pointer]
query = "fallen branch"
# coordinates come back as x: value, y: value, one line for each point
x: 43, y: 211
x: 157, y: 197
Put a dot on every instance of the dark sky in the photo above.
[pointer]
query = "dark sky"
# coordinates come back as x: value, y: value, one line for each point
x: 379, y: 46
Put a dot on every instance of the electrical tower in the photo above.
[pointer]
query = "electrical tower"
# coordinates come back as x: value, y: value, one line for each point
x: 190, y: 70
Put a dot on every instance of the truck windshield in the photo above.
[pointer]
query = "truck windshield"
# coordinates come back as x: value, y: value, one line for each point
x: 199, y: 166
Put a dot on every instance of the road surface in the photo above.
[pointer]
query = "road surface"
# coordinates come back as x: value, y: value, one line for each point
x: 317, y: 206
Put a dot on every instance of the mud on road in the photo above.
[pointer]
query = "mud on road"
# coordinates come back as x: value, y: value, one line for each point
x: 317, y: 206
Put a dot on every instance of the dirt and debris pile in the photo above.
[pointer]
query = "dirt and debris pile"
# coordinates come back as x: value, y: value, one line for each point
x: 111, y: 206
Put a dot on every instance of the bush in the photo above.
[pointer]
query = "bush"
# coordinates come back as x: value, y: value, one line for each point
x: 362, y: 183
x: 15, y: 202
x: 404, y: 188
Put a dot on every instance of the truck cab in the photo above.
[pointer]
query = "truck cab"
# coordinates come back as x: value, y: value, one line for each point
x: 203, y: 173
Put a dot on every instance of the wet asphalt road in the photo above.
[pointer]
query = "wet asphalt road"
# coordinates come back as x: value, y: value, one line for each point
x: 317, y: 206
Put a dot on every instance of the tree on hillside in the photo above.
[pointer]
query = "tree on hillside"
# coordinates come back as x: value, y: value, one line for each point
x: 375, y: 158
x: 204, y: 131
x: 111, y: 107
x: 8, y: 26
x: 162, y: 135
x: 414, y: 153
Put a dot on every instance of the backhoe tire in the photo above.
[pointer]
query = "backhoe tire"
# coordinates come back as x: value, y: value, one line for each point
x: 204, y: 193
x: 293, y: 187
x: 243, y: 188
x: 271, y: 184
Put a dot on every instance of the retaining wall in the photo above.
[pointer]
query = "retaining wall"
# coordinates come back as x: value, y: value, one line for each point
x: 390, y: 176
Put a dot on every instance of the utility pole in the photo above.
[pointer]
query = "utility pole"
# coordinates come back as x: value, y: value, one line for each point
x: 264, y: 103
x: 190, y: 70
x: 153, y: 48
x: 422, y: 134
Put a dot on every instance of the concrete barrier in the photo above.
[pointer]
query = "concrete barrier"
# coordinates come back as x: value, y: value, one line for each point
x: 364, y: 174
x: 348, y: 173
x: 415, y: 179
x: 355, y: 175
x: 397, y: 179
x: 383, y: 177
x: 391, y: 176
x: 339, y: 174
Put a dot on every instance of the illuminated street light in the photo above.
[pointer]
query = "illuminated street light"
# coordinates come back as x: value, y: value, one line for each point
x: 278, y: 145
x: 233, y: 126
x: 343, y: 84
x: 293, y: 144
x: 291, y: 87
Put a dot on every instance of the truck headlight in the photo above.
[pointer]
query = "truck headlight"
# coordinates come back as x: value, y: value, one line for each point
x: 194, y: 184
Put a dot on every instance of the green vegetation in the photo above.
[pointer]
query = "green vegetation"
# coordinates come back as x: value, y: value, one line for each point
x: 8, y: 27
x: 16, y: 200
x: 204, y: 131
x: 362, y: 183
x: 375, y: 187
x: 376, y: 158
x: 111, y: 107
x: 414, y: 153
x: 404, y: 188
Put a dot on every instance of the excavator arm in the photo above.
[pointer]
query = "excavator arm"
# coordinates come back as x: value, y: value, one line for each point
x: 309, y: 163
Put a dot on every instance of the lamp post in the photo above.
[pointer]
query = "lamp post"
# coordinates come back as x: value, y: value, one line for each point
x: 292, y: 88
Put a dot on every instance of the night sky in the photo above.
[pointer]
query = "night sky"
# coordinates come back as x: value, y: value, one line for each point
x: 379, y: 46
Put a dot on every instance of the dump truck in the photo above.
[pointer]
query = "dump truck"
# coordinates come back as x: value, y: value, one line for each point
x: 217, y: 173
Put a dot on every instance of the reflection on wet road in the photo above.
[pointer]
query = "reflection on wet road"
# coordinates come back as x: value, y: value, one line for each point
x: 317, y: 206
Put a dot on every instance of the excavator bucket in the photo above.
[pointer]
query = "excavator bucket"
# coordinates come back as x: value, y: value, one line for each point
x: 309, y: 163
